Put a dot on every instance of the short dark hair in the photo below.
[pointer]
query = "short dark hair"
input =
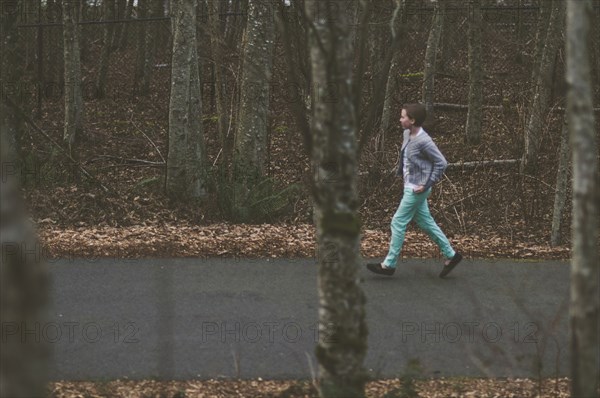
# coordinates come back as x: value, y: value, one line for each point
x: 417, y: 112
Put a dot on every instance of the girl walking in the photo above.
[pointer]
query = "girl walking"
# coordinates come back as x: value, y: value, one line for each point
x: 421, y: 165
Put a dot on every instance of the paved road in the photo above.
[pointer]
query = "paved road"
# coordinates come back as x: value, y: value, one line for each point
x: 201, y: 318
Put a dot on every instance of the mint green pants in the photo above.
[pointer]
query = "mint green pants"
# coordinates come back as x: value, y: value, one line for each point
x: 414, y: 205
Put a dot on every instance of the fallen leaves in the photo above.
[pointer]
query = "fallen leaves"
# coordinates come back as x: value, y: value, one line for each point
x: 259, y: 388
x: 262, y: 241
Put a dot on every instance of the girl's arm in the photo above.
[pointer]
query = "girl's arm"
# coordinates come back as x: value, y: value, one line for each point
x: 431, y: 151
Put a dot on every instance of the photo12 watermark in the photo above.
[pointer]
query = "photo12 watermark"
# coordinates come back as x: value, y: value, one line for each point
x: 269, y: 332
x: 468, y: 332
x: 69, y: 332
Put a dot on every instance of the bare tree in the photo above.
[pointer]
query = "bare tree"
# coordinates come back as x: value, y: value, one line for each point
x: 124, y: 32
x: 186, y: 174
x: 140, y: 59
x: 250, y: 148
x: 151, y: 31
x: 540, y: 38
x: 541, y: 97
x: 236, y: 23
x: 430, y: 58
x: 217, y: 42
x: 399, y: 28
x: 73, y: 127
x: 475, y: 112
x: 585, y: 289
x: 121, y: 8
x: 109, y: 12
x: 343, y: 331
x: 560, y: 193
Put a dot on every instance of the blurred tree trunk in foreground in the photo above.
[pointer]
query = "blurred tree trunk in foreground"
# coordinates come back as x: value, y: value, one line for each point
x: 585, y: 290
x: 23, y: 277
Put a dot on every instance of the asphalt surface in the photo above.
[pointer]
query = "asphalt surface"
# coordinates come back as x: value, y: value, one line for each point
x: 248, y: 318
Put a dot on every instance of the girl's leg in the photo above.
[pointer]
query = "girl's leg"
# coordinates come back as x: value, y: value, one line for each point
x: 405, y: 213
x: 426, y: 222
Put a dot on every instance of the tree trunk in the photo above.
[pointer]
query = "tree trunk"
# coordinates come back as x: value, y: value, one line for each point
x: 52, y: 38
x: 186, y: 174
x: 540, y: 39
x: 445, y: 40
x: 219, y: 72
x: 24, y: 281
x: 391, y: 86
x: 342, y: 339
x: 475, y: 114
x: 519, y: 36
x: 430, y: 59
x: 539, y: 107
x: 121, y: 6
x: 293, y: 28
x: 597, y: 47
x: 236, y: 23
x: 125, y: 31
x: 73, y: 127
x: 142, y: 12
x: 560, y: 194
x: 250, y: 147
x: 109, y: 9
x: 585, y: 289
x: 155, y: 9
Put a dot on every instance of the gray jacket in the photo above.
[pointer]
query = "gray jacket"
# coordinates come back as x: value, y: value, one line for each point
x: 426, y: 164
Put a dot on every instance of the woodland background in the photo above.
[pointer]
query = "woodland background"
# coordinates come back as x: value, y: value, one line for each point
x: 489, y: 210
x: 205, y: 128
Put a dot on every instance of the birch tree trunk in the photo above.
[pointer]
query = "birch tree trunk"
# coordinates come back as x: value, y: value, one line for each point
x: 109, y: 9
x: 539, y: 107
x: 585, y: 289
x: 186, y: 174
x: 342, y: 339
x: 73, y: 125
x: 475, y: 114
x: 430, y: 59
x: 23, y: 278
x: 250, y: 146
x: 560, y: 194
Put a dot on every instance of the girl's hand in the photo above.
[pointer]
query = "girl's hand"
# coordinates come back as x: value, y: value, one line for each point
x: 419, y: 189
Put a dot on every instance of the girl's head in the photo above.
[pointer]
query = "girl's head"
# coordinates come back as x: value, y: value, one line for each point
x: 413, y: 115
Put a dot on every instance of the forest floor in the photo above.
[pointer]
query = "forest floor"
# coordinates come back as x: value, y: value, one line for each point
x: 392, y: 388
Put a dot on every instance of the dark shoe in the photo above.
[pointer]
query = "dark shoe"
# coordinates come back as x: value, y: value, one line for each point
x: 453, y: 263
x: 378, y: 269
